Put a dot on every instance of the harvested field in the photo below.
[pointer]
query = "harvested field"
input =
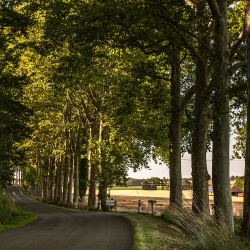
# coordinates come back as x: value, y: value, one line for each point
x: 127, y: 200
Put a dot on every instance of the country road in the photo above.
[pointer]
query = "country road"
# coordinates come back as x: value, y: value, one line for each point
x: 58, y: 229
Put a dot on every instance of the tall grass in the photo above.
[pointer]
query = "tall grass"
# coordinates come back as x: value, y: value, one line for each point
x: 203, y: 233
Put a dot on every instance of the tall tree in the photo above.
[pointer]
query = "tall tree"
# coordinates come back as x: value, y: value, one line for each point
x: 13, y: 114
x: 220, y: 82
x: 246, y: 212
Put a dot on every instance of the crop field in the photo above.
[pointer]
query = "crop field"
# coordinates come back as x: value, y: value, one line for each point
x: 128, y: 199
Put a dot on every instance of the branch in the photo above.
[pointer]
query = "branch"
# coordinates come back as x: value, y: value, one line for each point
x: 237, y: 89
x: 177, y: 27
x: 86, y: 111
x: 214, y: 8
x: 187, y: 97
x: 236, y: 66
x: 93, y: 98
x: 236, y: 45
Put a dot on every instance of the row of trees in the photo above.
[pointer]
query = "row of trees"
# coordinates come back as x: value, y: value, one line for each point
x: 112, y: 84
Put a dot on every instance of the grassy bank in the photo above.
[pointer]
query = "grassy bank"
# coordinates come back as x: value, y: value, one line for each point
x: 12, y: 216
x: 151, y: 232
x: 182, y: 230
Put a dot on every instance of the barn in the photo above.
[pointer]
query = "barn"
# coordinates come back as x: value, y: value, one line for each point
x: 235, y: 191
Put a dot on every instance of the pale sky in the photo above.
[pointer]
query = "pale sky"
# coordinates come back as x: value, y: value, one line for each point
x: 237, y: 168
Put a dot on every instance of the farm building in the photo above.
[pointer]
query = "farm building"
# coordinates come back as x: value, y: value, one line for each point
x: 235, y: 191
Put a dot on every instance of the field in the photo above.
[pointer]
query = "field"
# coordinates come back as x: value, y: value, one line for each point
x: 127, y: 200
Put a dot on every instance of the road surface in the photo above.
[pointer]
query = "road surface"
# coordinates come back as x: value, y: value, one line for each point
x: 58, y: 228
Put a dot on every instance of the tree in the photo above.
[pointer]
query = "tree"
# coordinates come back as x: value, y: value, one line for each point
x: 239, y: 182
x: 220, y: 82
x: 246, y: 212
x: 13, y: 130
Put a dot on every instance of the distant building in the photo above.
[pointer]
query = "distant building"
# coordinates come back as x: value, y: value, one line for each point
x: 235, y: 191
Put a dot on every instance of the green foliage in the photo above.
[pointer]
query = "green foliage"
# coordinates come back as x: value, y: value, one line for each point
x: 239, y: 182
x: 149, y: 185
x: 107, y: 61
x: 13, y: 114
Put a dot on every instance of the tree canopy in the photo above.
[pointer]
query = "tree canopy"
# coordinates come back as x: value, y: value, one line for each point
x: 91, y: 88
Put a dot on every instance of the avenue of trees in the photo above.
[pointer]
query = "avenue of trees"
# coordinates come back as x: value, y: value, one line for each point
x: 91, y: 88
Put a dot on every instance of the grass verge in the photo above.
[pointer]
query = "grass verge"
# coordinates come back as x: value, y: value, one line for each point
x: 152, y: 232
x: 180, y: 229
x: 12, y: 216
x: 203, y: 233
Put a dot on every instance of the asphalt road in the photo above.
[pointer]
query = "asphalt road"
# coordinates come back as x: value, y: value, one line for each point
x: 58, y: 228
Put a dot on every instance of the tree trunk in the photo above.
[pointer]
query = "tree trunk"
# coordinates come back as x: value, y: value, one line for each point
x: 51, y: 177
x: 220, y: 81
x: 70, y: 182
x: 67, y: 157
x: 58, y: 188
x: 246, y: 212
x: 102, y: 195
x: 56, y: 180
x: 76, y: 181
x: 76, y: 168
x: 175, y: 135
x: 200, y: 174
x: 83, y: 177
x: 65, y: 175
x: 92, y: 175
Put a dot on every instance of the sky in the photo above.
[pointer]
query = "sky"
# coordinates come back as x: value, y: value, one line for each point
x: 237, y: 168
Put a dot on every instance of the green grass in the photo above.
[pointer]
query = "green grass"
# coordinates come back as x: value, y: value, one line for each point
x: 152, y: 232
x: 12, y: 216
x: 180, y: 229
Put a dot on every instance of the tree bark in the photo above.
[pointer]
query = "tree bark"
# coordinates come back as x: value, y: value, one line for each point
x: 221, y: 129
x: 246, y: 209
x: 103, y: 185
x: 70, y: 182
x: 58, y: 188
x: 175, y: 134
x: 200, y: 203
x: 51, y: 177
x: 76, y: 168
x: 67, y: 156
x: 92, y: 173
x: 65, y: 177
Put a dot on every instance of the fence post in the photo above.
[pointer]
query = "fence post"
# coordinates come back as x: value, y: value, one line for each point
x: 139, y: 206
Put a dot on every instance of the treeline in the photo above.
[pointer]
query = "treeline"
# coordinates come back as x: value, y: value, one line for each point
x: 154, y: 182
x: 91, y: 88
x: 150, y: 183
